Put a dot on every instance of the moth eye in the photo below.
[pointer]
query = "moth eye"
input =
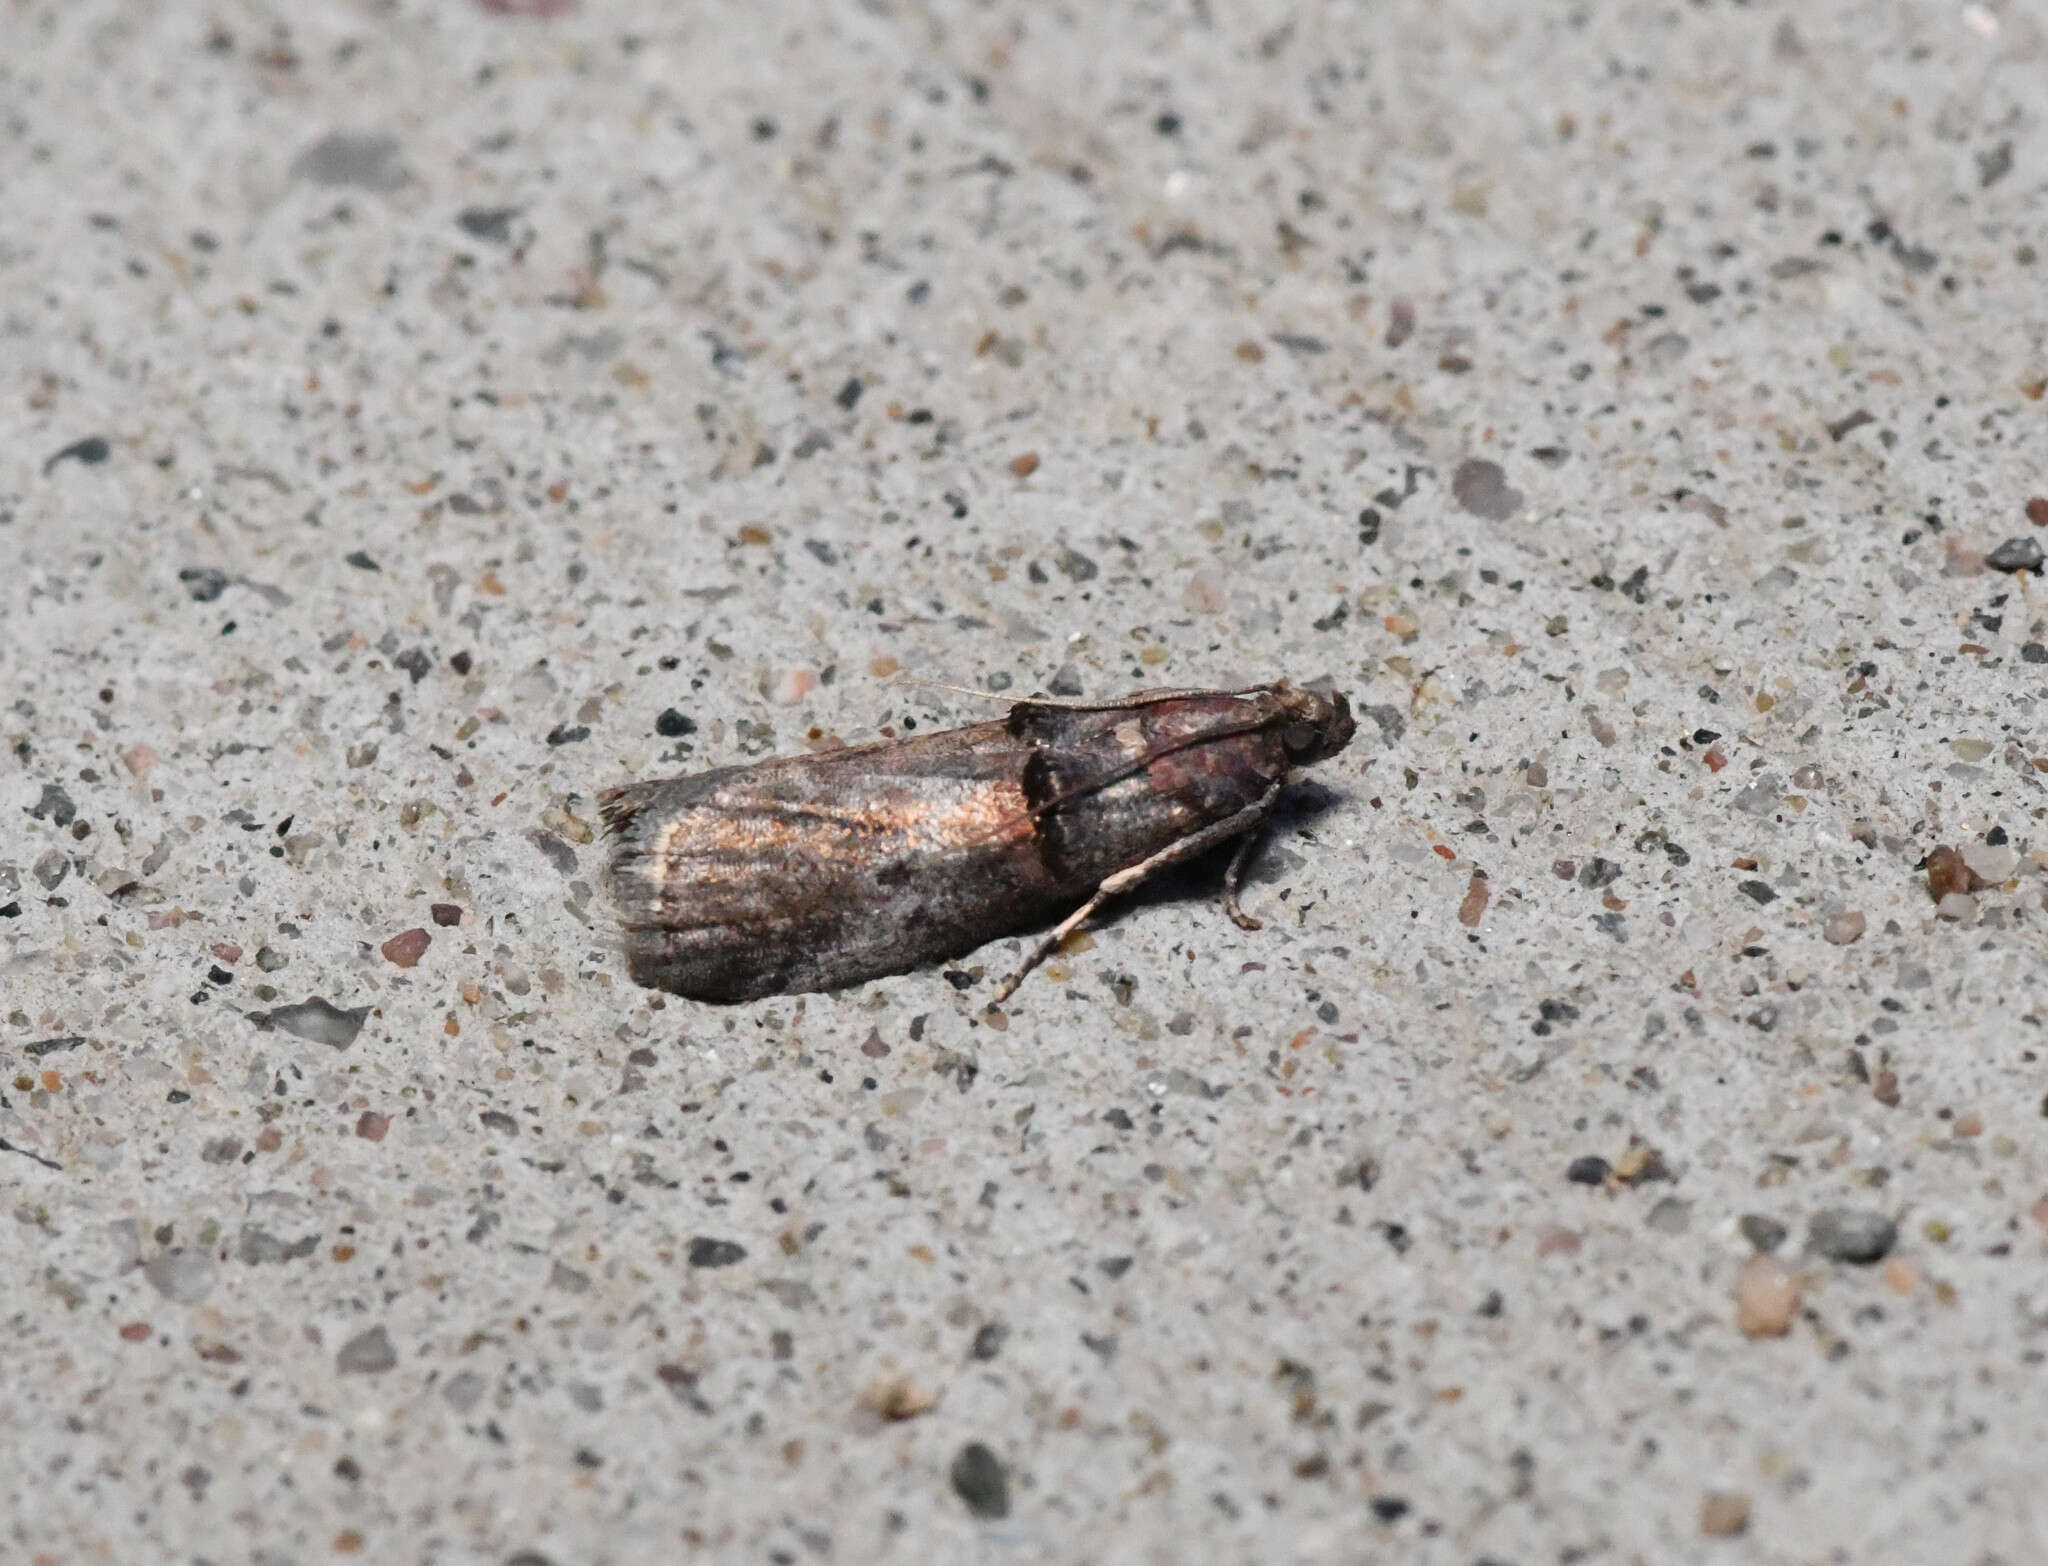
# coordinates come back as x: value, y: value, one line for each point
x: 1298, y: 739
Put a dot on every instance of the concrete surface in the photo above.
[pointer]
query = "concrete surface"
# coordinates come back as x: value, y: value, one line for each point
x: 404, y: 405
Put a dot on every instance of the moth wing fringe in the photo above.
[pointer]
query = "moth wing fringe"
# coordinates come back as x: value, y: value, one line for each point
x: 618, y: 807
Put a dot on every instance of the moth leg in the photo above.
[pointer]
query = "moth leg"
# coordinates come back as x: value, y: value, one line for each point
x: 1189, y: 847
x: 1233, y: 878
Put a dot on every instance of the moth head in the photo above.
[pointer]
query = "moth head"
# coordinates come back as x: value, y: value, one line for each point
x: 1313, y: 725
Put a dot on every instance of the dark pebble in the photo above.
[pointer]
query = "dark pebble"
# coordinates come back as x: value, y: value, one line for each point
x: 1766, y: 1234
x: 368, y: 160
x: 673, y: 725
x: 988, y: 1340
x: 1591, y: 1169
x: 1481, y: 488
x: 705, y: 1252
x: 979, y: 1480
x: 366, y: 1354
x: 91, y: 452
x: 565, y: 734
x: 553, y: 849
x: 1758, y: 892
x: 493, y: 225
x: 1389, y: 1508
x: 849, y: 394
x: 54, y: 806
x: 1598, y: 873
x: 1301, y: 343
x: 1076, y: 566
x: 317, y: 1021
x: 203, y: 583
x: 2016, y: 554
x: 2033, y: 652
x: 1851, y: 1234
x: 445, y: 914
x: 459, y: 662
x: 361, y: 560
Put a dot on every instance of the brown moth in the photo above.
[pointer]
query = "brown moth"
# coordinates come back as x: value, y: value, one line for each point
x: 813, y: 872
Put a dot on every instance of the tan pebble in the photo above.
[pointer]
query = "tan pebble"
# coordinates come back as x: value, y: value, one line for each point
x: 1401, y: 625
x: 1640, y: 1163
x: 1970, y: 1123
x: 1205, y: 592
x: 793, y: 685
x: 138, y: 759
x: 1473, y: 908
x: 898, y: 1398
x: 882, y: 666
x: 1947, y: 874
x: 1843, y: 928
x: 1724, y: 1514
x: 1766, y: 1298
x: 1556, y: 1241
x: 1900, y: 1275
x: 1025, y: 464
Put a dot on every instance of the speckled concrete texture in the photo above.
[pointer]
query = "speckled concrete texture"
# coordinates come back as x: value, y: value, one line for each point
x: 1624, y: 1142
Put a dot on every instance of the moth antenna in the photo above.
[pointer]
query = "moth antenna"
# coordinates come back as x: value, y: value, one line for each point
x: 1082, y: 704
x: 958, y: 690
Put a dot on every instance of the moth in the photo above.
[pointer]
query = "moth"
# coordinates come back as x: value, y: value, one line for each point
x: 816, y: 872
